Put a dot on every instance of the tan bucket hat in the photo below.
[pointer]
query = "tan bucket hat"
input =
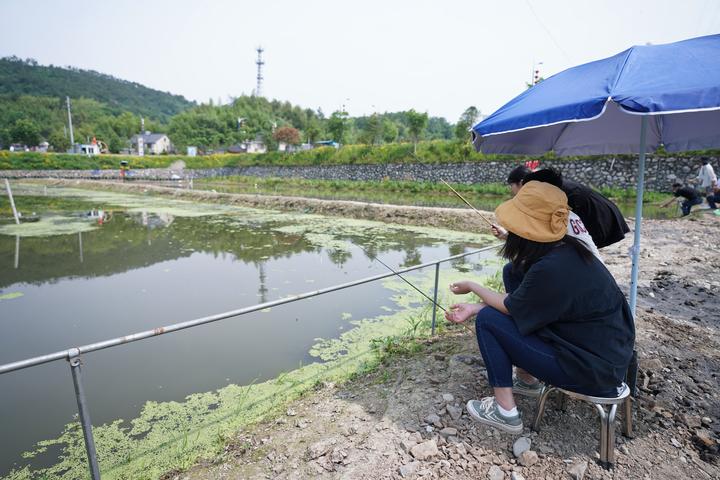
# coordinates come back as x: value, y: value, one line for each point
x: 538, y: 212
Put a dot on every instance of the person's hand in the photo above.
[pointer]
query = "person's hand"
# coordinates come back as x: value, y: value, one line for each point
x: 462, y: 287
x: 460, y: 312
x: 499, y: 232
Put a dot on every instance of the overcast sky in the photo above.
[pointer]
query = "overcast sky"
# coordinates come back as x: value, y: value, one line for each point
x: 389, y: 55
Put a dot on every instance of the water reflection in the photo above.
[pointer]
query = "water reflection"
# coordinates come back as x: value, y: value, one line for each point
x: 139, y: 269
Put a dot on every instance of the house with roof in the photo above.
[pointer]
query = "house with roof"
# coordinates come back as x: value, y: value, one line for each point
x: 151, y: 143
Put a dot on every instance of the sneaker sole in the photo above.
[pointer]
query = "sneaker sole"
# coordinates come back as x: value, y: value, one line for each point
x: 501, y: 426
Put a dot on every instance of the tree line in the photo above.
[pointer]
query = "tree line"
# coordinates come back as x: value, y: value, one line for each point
x: 32, y: 109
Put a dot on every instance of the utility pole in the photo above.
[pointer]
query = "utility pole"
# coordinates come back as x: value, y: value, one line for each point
x: 72, y: 138
x: 259, y: 62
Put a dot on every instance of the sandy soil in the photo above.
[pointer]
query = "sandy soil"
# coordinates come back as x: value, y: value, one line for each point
x: 407, y: 419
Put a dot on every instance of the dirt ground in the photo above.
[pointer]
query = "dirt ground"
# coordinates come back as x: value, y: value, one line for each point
x: 407, y: 419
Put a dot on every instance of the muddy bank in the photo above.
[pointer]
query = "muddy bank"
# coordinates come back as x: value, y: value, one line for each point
x: 452, y: 218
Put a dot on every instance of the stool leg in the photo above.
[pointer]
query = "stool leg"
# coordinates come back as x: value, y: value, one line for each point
x: 562, y: 401
x: 627, y: 418
x: 541, y: 407
x: 603, y: 434
x: 610, y: 456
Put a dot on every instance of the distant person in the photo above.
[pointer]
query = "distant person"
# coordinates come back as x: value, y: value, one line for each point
x: 714, y: 197
x: 515, y: 178
x: 602, y: 218
x: 689, y: 194
x: 706, y: 176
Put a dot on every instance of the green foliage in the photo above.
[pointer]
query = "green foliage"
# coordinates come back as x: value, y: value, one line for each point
x: 109, y: 109
x: 19, y: 78
x: 629, y: 194
x: 314, y: 130
x: 427, y: 152
x: 390, y: 131
x: 90, y: 119
x: 337, y: 126
x: 246, y: 118
x: 495, y: 282
x: 372, y: 133
x: 416, y: 124
x: 59, y: 142
x: 466, y: 121
x: 26, y: 132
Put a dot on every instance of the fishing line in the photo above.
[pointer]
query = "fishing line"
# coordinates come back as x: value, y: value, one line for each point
x: 372, y: 257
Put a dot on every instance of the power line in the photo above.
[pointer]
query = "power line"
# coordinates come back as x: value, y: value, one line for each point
x: 565, y: 54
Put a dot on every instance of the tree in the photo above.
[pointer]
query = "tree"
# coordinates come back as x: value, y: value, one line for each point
x: 336, y: 126
x: 4, y: 138
x: 466, y: 121
x: 389, y: 131
x: 416, y: 124
x: 313, y: 131
x: 26, y: 132
x: 288, y: 135
x: 372, y: 132
x: 59, y: 142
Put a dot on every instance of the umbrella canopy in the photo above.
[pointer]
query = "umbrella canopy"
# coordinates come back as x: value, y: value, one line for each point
x: 639, y: 99
x: 596, y: 108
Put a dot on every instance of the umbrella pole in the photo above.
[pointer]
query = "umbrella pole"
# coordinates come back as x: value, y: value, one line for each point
x: 638, y: 216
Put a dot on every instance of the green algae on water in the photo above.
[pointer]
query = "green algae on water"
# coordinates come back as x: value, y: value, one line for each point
x: 11, y: 295
x: 50, y: 225
x: 174, y: 435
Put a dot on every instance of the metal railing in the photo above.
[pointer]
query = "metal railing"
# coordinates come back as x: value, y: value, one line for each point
x: 72, y: 355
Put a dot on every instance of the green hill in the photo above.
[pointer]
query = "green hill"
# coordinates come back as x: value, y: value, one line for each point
x: 32, y: 109
x: 26, y: 77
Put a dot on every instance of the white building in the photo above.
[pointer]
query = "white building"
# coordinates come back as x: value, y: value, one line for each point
x: 86, y: 148
x: 152, y: 143
x: 255, y: 146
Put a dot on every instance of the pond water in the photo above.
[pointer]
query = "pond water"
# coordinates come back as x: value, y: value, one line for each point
x: 486, y: 202
x: 81, y: 275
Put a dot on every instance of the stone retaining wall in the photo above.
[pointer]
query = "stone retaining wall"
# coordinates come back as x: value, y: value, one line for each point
x: 660, y: 172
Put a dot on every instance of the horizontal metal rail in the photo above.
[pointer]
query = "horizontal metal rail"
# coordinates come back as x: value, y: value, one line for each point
x: 74, y: 351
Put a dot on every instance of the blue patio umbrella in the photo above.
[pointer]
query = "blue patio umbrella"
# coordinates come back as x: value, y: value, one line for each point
x: 638, y: 100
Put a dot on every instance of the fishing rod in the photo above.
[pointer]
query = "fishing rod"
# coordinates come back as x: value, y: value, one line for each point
x: 467, y: 203
x: 372, y: 257
x: 402, y: 278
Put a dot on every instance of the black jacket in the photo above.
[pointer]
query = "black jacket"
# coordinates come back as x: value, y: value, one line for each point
x: 601, y: 217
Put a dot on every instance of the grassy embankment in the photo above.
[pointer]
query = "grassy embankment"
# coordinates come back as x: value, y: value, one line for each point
x: 427, y: 152
x: 292, y: 186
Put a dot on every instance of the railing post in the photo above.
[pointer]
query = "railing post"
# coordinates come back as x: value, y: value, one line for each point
x: 74, y: 359
x: 435, y: 292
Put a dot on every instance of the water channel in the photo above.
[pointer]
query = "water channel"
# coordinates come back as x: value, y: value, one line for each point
x: 99, y: 265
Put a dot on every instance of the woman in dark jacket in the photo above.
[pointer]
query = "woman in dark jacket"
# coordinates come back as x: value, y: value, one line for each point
x: 567, y: 324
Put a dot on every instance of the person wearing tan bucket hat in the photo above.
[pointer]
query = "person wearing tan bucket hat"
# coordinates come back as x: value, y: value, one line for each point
x: 567, y: 323
x: 539, y: 212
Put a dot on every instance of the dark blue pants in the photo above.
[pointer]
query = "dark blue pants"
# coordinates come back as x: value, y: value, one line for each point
x: 688, y: 204
x: 712, y: 200
x: 502, y: 346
